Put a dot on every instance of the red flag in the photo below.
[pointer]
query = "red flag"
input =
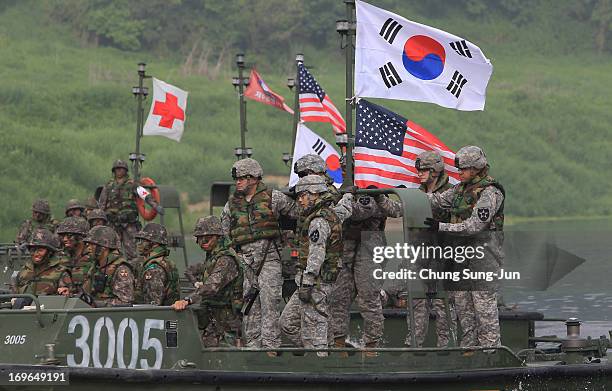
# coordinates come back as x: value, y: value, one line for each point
x: 258, y: 90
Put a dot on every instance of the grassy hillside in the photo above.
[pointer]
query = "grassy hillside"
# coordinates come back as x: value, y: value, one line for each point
x: 66, y: 112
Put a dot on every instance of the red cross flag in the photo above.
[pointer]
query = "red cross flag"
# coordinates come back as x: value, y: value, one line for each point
x: 167, y: 114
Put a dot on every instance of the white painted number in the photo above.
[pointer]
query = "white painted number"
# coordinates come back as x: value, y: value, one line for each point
x: 14, y: 339
x: 115, y: 344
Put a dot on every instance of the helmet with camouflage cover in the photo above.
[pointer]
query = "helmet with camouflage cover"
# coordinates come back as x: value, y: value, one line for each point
x: 91, y: 203
x: 248, y: 166
x: 42, y: 237
x: 74, y: 204
x: 209, y: 225
x: 311, y: 183
x: 103, y: 236
x: 311, y: 162
x: 73, y: 225
x: 97, y: 214
x: 429, y: 160
x: 119, y: 164
x: 154, y: 232
x: 41, y: 206
x: 470, y: 156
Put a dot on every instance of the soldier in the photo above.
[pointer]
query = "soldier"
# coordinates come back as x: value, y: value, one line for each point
x: 313, y: 164
x: 111, y: 280
x: 96, y: 217
x: 90, y: 205
x: 42, y: 274
x: 476, y: 207
x: 433, y: 178
x: 305, y: 317
x: 158, y: 281
x: 74, y: 208
x: 72, y: 231
x: 250, y: 219
x: 220, y: 290
x: 41, y: 218
x: 118, y: 200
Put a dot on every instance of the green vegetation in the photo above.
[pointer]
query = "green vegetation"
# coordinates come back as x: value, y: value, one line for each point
x: 66, y: 110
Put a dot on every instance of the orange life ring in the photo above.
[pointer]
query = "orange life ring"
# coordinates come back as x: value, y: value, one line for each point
x: 149, y: 184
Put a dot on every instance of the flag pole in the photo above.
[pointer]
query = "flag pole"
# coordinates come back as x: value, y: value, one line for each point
x: 141, y: 93
x: 299, y: 58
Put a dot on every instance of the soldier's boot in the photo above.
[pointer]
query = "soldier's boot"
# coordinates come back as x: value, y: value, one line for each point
x: 340, y: 342
x: 370, y: 353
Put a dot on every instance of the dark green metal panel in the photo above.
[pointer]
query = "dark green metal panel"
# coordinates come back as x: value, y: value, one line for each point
x: 219, y: 194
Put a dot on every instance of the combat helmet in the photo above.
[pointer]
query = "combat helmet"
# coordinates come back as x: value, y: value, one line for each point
x: 470, y: 156
x: 74, y: 204
x: 311, y: 162
x: 41, y: 206
x: 73, y: 225
x: 103, y: 236
x: 209, y: 225
x: 155, y: 233
x: 248, y: 166
x: 311, y: 183
x: 429, y: 160
x: 42, y: 237
x: 97, y: 214
x: 119, y: 164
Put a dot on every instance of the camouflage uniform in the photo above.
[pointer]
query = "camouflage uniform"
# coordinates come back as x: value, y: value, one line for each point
x: 113, y: 283
x: 305, y: 318
x: 158, y: 281
x: 221, y: 290
x: 253, y: 227
x: 43, y: 278
x: 96, y: 217
x: 79, y: 260
x: 422, y: 308
x: 476, y: 218
x: 27, y: 228
x: 74, y: 204
x: 355, y: 278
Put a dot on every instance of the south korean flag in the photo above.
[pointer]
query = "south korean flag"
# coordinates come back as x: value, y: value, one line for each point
x: 399, y: 59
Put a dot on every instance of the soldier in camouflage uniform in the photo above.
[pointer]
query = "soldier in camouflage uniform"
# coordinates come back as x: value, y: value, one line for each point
x: 220, y: 291
x: 158, y: 281
x: 433, y: 178
x: 305, y: 317
x: 74, y: 208
x: 96, y: 217
x: 41, y: 218
x: 90, y: 205
x: 476, y: 207
x: 250, y: 220
x: 313, y: 164
x: 118, y: 200
x: 111, y: 280
x: 42, y: 274
x: 72, y: 231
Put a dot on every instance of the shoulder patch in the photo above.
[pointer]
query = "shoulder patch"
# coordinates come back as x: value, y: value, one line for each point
x: 483, y: 214
x: 314, y: 236
x: 364, y: 200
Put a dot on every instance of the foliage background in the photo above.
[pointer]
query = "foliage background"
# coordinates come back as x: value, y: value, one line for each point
x: 67, y: 67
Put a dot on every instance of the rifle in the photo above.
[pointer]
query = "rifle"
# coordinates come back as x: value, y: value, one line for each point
x: 253, y: 293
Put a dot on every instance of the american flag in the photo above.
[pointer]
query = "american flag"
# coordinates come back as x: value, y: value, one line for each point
x: 315, y: 105
x: 386, y: 146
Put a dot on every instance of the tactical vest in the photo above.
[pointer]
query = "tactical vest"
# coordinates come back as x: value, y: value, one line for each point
x: 442, y: 184
x: 466, y: 197
x: 158, y: 259
x: 231, y: 294
x: 79, y: 272
x: 120, y: 198
x: 29, y: 226
x: 41, y: 282
x: 100, y: 281
x: 333, y: 250
x: 253, y: 220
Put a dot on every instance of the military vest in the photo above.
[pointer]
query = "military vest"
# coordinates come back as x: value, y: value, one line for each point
x: 442, y: 184
x: 41, y: 279
x: 158, y: 258
x: 120, y: 199
x: 79, y: 269
x: 231, y: 294
x: 333, y: 250
x: 253, y: 220
x: 29, y: 226
x: 466, y: 197
x: 99, y: 281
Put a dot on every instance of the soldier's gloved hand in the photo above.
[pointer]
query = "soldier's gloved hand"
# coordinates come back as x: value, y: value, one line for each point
x: 305, y: 293
x: 433, y: 225
x: 160, y: 209
x: 380, y: 197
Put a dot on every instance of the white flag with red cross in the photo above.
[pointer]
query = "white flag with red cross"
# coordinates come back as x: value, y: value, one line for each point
x: 167, y: 114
